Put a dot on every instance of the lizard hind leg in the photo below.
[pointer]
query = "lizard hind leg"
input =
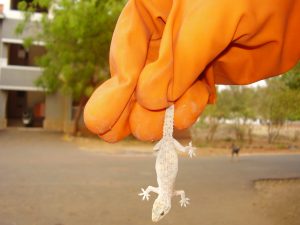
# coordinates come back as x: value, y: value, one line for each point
x: 184, y: 201
x: 145, y: 193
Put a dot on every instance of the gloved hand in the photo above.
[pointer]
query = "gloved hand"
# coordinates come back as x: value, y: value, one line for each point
x: 174, y: 52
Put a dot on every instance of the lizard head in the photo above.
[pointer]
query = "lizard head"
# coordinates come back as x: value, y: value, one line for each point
x: 161, y: 207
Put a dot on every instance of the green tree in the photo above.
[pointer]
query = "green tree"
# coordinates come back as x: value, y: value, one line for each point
x: 292, y: 78
x: 242, y: 109
x: 279, y: 101
x: 237, y: 104
x: 275, y: 106
x: 77, y: 37
x: 213, y: 114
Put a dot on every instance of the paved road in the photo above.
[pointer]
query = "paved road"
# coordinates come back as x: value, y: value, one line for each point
x: 47, y: 181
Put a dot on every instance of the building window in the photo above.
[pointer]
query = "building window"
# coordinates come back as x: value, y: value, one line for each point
x: 14, y: 5
x: 19, y: 56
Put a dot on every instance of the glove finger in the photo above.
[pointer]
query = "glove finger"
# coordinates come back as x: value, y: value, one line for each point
x: 146, y: 125
x: 121, y: 128
x: 197, y: 38
x: 106, y: 105
x: 188, y: 45
x: 190, y: 105
x: 128, y: 55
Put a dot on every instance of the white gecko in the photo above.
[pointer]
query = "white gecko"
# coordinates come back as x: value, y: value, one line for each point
x: 166, y: 170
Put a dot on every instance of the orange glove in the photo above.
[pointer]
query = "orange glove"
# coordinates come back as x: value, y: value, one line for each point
x: 174, y: 52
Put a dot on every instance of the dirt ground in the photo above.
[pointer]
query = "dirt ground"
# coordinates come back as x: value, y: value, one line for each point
x: 132, y: 146
x: 52, y: 179
x: 279, y: 199
x: 275, y: 198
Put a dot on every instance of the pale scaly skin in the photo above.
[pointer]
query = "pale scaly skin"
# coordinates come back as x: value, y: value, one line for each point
x: 166, y: 170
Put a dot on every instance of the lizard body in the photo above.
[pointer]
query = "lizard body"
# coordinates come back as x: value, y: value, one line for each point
x: 166, y: 167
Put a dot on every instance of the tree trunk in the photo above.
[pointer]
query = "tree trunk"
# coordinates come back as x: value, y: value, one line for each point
x: 213, y: 127
x: 250, y: 135
x: 78, y: 114
x: 273, y: 132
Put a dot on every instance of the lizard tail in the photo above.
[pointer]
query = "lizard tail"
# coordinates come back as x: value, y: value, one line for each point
x: 169, y: 122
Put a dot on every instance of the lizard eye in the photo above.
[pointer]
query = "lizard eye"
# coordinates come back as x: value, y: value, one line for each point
x: 163, y: 213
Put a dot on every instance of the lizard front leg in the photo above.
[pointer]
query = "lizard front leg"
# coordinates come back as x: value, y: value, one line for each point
x: 184, y: 200
x: 157, y: 145
x: 189, y: 149
x: 145, y: 193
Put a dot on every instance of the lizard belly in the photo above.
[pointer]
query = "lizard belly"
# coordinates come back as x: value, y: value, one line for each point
x: 166, y: 169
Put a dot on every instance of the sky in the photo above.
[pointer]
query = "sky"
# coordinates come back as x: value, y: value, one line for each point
x: 260, y: 83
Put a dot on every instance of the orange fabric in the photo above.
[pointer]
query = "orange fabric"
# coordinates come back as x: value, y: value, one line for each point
x: 165, y: 52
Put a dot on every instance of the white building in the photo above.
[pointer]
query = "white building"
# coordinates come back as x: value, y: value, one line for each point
x: 18, y: 73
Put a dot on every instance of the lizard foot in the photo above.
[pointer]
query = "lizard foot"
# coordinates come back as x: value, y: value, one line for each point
x: 184, y: 202
x: 191, y: 150
x: 145, y: 194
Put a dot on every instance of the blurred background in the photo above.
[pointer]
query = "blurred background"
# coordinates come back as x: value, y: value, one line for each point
x: 53, y: 54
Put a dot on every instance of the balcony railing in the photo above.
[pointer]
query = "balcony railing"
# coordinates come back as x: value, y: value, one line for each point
x: 19, y: 77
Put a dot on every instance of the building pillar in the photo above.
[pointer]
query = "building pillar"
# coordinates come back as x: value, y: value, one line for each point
x: 4, y: 54
x: 69, y: 124
x: 58, y: 113
x: 3, y: 103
